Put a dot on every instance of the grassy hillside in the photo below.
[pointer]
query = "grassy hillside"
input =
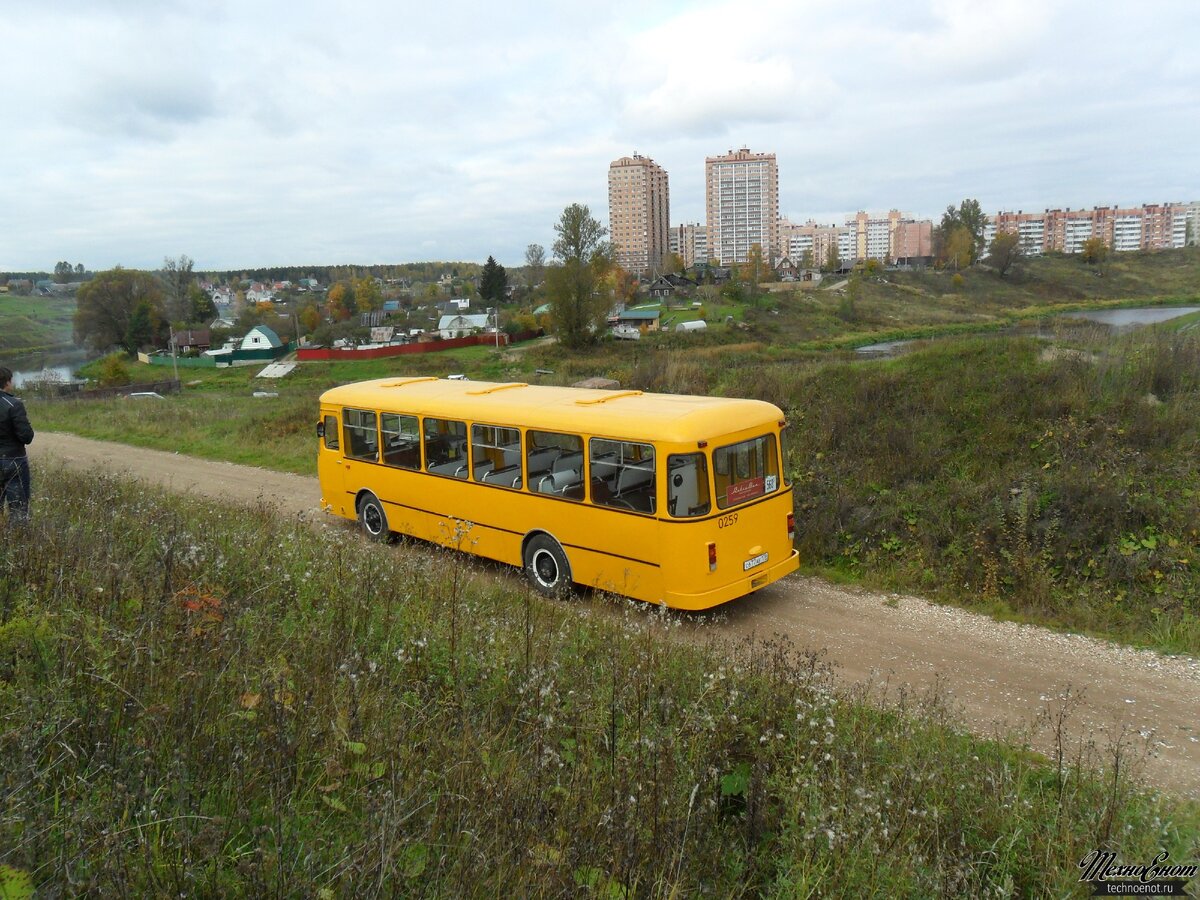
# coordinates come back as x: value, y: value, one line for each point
x: 219, y: 702
x: 1054, y: 481
x: 35, y: 324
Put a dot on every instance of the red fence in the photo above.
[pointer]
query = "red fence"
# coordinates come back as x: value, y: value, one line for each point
x: 327, y: 353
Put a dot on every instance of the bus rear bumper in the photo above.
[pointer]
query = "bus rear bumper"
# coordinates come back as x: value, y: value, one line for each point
x: 749, y: 584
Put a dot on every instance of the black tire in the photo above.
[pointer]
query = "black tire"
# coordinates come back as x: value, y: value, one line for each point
x: 373, y: 519
x: 546, y: 566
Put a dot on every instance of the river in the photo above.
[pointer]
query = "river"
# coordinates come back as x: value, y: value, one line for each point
x: 59, y: 367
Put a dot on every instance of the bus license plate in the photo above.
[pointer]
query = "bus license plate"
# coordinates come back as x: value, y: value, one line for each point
x: 755, y: 561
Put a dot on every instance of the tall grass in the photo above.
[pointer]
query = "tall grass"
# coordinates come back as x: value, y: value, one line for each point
x: 218, y: 702
x: 1058, y: 484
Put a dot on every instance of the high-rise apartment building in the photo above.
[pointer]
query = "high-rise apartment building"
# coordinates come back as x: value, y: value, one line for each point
x: 639, y: 212
x: 742, y: 204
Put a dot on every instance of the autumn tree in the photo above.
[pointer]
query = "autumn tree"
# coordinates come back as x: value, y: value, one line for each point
x: 341, y: 301
x: 673, y: 263
x: 806, y: 258
x: 958, y: 248
x: 367, y: 295
x: 754, y: 269
x: 1094, y: 252
x: 1004, y: 252
x: 493, y: 282
x: 622, y: 284
x: 578, y: 304
x: 969, y: 217
x: 121, y: 308
x: 310, y: 317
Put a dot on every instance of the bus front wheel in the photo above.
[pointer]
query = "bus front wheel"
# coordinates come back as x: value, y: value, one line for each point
x: 372, y: 518
x: 546, y: 566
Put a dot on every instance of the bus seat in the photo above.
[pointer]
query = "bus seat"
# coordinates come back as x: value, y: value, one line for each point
x: 504, y: 476
x: 542, y: 460
x: 482, y: 469
x: 447, y: 468
x: 633, y: 477
x: 568, y: 461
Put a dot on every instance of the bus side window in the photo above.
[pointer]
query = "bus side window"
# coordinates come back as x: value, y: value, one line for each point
x: 362, y: 440
x: 687, y: 485
x: 623, y: 475
x: 446, y: 447
x: 331, y: 433
x: 555, y: 464
x: 496, y: 455
x: 401, y: 440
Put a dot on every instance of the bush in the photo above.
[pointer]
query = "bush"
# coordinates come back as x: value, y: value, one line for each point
x: 114, y: 370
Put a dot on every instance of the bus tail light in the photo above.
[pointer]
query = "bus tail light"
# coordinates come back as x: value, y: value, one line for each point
x: 712, y: 556
x: 791, y: 526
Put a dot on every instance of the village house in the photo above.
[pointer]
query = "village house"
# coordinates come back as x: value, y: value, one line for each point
x: 456, y: 326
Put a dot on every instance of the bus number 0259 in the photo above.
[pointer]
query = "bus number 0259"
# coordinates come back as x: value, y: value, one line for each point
x: 727, y: 521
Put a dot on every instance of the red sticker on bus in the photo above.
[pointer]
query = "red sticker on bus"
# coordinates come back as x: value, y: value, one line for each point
x: 743, y: 490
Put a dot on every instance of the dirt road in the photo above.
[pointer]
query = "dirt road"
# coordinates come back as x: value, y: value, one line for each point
x: 1000, y: 675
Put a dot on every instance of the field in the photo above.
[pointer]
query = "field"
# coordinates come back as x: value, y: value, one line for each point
x: 35, y: 324
x: 216, y: 701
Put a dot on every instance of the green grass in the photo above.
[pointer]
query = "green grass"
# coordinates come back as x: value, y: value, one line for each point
x: 1061, y: 489
x: 215, y: 701
x: 35, y: 324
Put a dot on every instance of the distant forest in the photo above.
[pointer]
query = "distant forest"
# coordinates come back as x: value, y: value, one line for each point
x: 419, y: 271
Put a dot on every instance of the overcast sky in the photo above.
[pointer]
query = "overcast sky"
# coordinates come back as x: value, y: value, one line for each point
x: 262, y: 132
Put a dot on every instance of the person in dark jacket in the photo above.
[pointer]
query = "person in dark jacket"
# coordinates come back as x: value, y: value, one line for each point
x: 15, y: 434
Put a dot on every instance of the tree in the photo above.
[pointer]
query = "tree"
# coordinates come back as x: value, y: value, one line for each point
x: 833, y: 260
x: 493, y: 283
x: 79, y: 271
x: 673, y: 263
x: 578, y: 305
x: 958, y: 248
x: 310, y: 317
x: 754, y: 269
x: 62, y: 272
x: 202, y: 306
x: 535, y: 264
x: 621, y: 283
x: 1004, y: 251
x: 176, y: 276
x: 121, y: 308
x: 806, y: 259
x: 341, y: 301
x: 1094, y: 251
x: 969, y: 216
x: 367, y: 295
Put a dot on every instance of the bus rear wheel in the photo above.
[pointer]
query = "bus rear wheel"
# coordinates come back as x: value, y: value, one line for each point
x: 546, y: 566
x: 372, y: 518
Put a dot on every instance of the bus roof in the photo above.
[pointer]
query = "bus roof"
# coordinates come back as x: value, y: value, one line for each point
x: 629, y: 414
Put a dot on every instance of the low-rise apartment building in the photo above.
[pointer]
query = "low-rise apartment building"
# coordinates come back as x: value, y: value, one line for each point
x: 1153, y: 226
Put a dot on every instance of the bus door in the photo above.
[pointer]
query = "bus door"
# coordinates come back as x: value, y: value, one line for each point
x: 330, y: 462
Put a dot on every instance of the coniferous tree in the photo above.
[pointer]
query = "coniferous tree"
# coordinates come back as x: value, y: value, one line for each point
x: 494, y: 281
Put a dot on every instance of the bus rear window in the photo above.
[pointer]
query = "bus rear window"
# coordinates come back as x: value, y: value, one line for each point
x: 746, y: 470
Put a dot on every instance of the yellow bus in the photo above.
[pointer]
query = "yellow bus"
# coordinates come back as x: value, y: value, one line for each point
x: 666, y: 498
